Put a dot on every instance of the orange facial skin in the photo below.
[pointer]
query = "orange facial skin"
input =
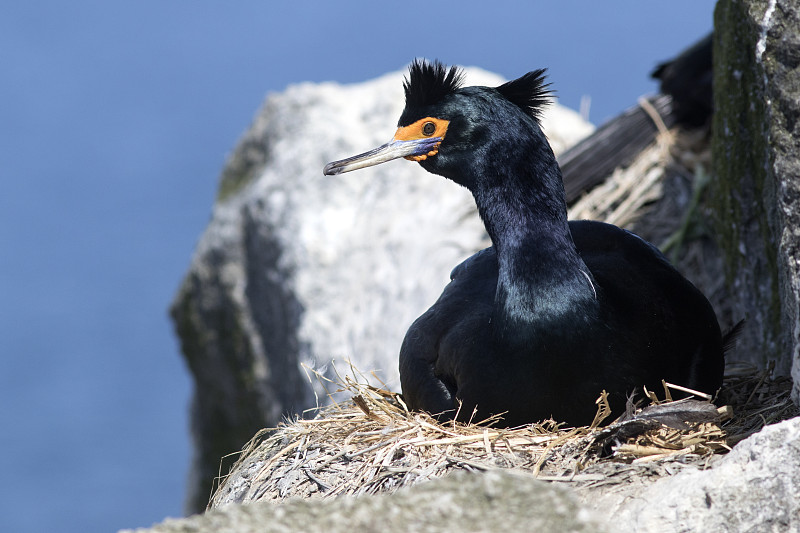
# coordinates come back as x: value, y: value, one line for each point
x: 421, y: 129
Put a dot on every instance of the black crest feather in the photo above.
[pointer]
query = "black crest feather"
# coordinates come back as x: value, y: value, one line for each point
x: 529, y: 92
x: 427, y: 83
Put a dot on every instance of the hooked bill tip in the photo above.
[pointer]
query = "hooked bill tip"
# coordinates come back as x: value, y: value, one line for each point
x: 331, y: 169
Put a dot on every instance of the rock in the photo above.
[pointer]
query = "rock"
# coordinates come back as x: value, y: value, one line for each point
x: 300, y: 269
x: 756, y: 487
x: 756, y: 162
x: 490, y: 502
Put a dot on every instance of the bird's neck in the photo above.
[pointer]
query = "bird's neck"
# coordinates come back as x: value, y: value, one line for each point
x: 542, y: 279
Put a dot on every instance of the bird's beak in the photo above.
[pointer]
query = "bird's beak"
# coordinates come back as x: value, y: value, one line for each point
x: 412, y: 149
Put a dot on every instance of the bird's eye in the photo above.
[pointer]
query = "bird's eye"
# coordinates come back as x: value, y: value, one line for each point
x: 428, y: 128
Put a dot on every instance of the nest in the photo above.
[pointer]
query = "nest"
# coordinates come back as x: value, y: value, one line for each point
x: 372, y: 443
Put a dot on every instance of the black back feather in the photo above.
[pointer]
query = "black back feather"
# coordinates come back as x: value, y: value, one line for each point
x: 428, y: 83
x: 529, y: 92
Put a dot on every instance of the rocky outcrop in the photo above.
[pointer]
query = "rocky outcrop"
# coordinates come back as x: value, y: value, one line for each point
x: 491, y: 502
x: 756, y: 179
x: 296, y: 268
x: 754, y: 488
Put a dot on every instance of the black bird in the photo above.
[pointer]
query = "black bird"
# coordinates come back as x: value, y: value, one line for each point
x: 553, y: 313
x: 688, y: 78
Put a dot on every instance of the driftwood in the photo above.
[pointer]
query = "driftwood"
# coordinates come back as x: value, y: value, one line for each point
x: 615, y: 144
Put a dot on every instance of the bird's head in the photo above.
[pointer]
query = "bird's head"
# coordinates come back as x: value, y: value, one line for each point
x: 450, y: 129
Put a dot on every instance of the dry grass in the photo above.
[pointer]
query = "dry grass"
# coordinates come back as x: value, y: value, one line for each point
x: 373, y: 443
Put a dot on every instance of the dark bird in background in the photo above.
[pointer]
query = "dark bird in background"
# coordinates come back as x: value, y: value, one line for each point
x: 555, y: 312
x: 685, y: 99
x: 688, y: 79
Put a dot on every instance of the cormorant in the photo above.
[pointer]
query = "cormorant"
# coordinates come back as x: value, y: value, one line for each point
x: 554, y: 312
x: 688, y: 78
